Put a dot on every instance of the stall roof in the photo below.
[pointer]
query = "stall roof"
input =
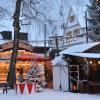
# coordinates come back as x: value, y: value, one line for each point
x: 79, y: 48
x: 86, y: 55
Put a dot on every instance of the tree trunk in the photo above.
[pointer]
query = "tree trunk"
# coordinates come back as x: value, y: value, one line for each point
x: 11, y: 78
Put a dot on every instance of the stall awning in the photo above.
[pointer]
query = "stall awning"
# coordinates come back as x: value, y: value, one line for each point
x: 86, y: 55
x: 32, y: 58
x: 80, y: 48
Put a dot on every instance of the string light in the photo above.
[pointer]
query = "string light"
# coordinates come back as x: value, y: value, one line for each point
x: 91, y: 62
x: 98, y: 62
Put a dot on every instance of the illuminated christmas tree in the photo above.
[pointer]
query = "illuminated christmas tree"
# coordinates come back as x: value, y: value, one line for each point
x: 36, y: 74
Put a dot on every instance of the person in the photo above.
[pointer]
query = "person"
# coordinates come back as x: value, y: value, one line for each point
x: 27, y: 75
x: 21, y: 70
x: 20, y: 78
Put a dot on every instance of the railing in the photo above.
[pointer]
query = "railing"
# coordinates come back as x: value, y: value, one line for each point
x: 65, y: 42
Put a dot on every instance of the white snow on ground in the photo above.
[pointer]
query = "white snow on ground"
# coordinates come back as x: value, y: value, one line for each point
x: 49, y: 95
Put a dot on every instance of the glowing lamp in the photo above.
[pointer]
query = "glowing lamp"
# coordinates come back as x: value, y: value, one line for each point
x: 98, y: 62
x: 74, y: 87
x: 91, y: 62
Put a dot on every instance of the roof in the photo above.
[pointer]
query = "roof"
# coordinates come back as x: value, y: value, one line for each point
x: 7, y: 35
x: 87, y: 55
x: 80, y: 14
x: 79, y: 48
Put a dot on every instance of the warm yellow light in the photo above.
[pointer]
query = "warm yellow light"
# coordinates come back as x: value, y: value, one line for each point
x: 91, y: 62
x: 98, y: 62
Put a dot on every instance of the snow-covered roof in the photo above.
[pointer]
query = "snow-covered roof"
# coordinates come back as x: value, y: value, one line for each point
x: 80, y: 14
x: 79, y: 48
x: 1, y: 39
x: 87, y: 55
x: 39, y: 44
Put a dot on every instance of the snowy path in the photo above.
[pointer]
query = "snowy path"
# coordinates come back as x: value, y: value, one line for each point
x: 49, y: 95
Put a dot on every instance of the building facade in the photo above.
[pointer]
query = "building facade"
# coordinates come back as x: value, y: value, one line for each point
x: 27, y: 54
x: 74, y: 30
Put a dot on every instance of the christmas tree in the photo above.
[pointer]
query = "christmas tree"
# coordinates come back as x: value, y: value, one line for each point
x: 36, y: 74
x: 94, y: 19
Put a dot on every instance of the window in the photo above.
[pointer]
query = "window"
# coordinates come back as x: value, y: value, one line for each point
x: 76, y: 32
x: 60, y: 41
x: 69, y: 36
x: 72, y: 19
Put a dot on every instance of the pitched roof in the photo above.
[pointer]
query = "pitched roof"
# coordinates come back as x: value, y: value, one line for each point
x: 80, y: 14
x: 79, y: 48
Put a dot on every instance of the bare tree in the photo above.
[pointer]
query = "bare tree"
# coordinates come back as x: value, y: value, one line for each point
x: 11, y: 78
x: 21, y: 9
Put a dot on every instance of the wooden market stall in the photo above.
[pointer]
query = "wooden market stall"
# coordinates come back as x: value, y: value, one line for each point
x: 84, y: 67
x: 27, y: 54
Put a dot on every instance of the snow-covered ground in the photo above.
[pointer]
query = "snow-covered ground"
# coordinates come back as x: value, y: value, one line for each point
x: 49, y: 95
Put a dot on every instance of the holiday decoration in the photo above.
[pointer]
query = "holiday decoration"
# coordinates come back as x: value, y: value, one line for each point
x: 36, y: 74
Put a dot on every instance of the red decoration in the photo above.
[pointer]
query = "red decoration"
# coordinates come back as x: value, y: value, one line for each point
x: 29, y: 86
x: 31, y: 58
x: 21, y: 86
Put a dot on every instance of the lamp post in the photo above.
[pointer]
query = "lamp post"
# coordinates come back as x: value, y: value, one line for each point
x: 56, y: 42
x: 63, y: 64
x: 86, y: 26
x: 45, y: 39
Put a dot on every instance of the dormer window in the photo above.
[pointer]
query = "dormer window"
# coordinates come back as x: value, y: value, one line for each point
x: 72, y: 19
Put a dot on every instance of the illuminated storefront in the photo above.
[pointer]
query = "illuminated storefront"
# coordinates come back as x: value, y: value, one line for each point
x: 25, y: 58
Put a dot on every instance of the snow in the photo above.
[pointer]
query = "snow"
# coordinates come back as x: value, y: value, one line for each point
x: 49, y: 95
x: 57, y: 60
x: 80, y: 13
x: 79, y: 48
x: 1, y: 39
x: 87, y: 55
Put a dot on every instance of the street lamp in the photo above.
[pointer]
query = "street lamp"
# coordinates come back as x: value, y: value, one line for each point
x: 56, y: 42
x: 86, y: 26
x: 63, y: 64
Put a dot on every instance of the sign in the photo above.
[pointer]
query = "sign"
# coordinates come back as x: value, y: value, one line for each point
x: 22, y: 45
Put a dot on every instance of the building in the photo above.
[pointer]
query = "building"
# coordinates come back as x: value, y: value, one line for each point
x: 74, y: 31
x: 27, y: 54
x: 83, y: 67
x: 75, y: 26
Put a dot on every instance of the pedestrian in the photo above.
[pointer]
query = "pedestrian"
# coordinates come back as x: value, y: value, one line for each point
x: 20, y: 78
x: 27, y: 76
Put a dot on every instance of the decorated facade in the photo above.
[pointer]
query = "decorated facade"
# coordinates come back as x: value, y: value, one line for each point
x: 27, y: 55
x: 83, y: 62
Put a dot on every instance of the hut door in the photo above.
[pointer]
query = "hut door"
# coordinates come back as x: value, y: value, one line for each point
x: 74, y: 78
